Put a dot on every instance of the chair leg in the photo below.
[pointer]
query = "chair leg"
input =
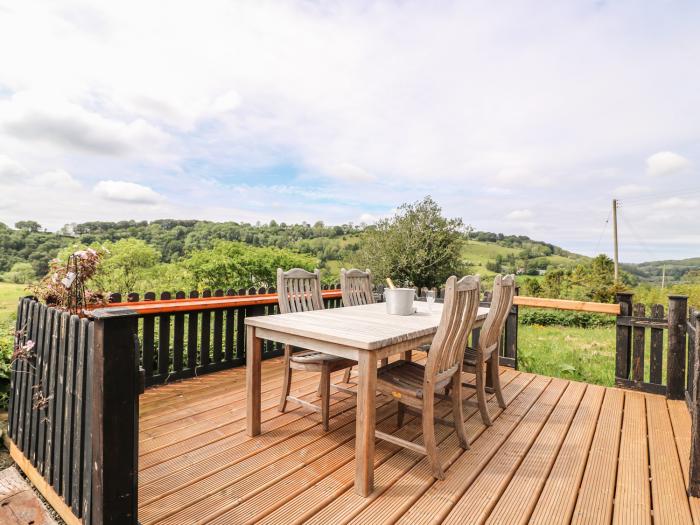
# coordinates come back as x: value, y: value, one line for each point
x: 325, y: 385
x: 496, y: 380
x: 346, y: 376
x: 429, y: 438
x: 481, y: 393
x: 457, y: 414
x: 287, y: 382
x: 400, y: 414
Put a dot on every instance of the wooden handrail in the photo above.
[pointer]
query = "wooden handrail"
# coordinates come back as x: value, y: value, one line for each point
x: 191, y: 305
x: 565, y: 304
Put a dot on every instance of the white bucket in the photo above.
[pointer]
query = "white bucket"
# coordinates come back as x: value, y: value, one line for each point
x: 399, y: 301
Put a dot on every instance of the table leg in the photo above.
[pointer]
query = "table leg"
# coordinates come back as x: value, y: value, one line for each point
x: 252, y: 376
x: 408, y: 355
x: 364, y: 435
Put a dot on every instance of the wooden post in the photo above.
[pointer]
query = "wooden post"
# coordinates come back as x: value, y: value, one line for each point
x: 511, y: 335
x: 115, y: 412
x: 675, y: 367
x: 623, y: 337
x: 694, y: 470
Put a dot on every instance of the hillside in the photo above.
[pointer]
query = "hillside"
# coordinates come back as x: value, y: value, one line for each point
x: 675, y: 270
x: 334, y: 246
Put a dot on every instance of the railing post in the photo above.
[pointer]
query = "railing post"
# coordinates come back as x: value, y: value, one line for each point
x: 623, y: 337
x: 677, y: 329
x: 511, y: 330
x: 115, y: 412
x: 694, y: 470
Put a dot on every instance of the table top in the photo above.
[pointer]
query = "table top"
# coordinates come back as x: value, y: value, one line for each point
x: 367, y: 327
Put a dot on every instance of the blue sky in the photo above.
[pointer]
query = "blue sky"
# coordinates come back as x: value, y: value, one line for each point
x: 522, y: 118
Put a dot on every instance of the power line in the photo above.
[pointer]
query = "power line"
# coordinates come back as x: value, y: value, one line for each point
x: 657, y: 196
x: 600, y: 237
x: 637, y: 238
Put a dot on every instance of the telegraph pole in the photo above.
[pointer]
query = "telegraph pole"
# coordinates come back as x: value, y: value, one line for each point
x: 614, y: 218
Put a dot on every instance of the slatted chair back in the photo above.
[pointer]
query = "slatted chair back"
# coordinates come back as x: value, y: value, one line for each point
x: 356, y: 286
x: 501, y: 303
x: 460, y: 308
x: 299, y: 290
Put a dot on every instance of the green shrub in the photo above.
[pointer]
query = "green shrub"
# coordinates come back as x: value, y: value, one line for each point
x: 6, y: 344
x: 542, y: 317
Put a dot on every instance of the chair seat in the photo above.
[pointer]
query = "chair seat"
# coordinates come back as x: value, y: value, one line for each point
x: 404, y: 378
x: 470, y: 356
x: 311, y: 357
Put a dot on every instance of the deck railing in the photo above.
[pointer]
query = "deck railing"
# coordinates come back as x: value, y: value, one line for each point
x: 74, y: 396
x: 51, y: 415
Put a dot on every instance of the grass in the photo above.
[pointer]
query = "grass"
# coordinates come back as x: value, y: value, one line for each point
x: 581, y: 354
x: 9, y: 294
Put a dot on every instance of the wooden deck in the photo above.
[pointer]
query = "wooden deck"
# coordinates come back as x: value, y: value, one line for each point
x: 560, y: 452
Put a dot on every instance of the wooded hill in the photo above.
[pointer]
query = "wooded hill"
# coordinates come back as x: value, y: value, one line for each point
x: 334, y: 246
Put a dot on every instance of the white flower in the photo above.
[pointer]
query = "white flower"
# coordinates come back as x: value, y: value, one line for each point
x: 28, y: 346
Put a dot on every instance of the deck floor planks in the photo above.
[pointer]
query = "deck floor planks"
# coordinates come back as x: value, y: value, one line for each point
x: 408, y: 492
x: 681, y: 421
x: 291, y: 500
x: 670, y: 502
x: 210, y: 472
x: 561, y: 488
x: 632, y: 493
x: 595, y: 499
x: 522, y: 494
x: 350, y: 504
x: 407, y: 465
x: 477, y: 502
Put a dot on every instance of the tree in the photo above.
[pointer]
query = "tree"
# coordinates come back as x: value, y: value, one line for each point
x: 20, y: 273
x: 125, y: 267
x: 237, y: 265
x: 30, y: 226
x: 417, y: 246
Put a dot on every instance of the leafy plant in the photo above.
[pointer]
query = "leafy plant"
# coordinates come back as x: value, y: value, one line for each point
x: 64, y: 285
x: 417, y: 246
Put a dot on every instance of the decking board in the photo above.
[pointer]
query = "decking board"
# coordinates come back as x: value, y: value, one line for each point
x: 551, y: 456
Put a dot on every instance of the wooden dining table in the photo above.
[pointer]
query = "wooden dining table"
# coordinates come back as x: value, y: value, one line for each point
x: 364, y: 334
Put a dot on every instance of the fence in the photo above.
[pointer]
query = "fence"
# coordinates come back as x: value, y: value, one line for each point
x: 50, y: 417
x: 630, y: 347
x: 188, y: 334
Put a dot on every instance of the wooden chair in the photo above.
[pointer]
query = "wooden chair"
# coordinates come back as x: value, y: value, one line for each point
x: 484, y: 358
x: 415, y: 386
x: 356, y: 287
x: 300, y: 291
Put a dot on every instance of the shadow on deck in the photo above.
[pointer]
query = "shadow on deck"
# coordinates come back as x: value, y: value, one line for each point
x: 560, y: 452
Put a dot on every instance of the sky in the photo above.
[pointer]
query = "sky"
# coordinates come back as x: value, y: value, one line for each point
x: 521, y: 117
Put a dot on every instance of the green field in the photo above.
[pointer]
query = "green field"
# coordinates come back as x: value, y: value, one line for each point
x: 581, y: 354
x: 9, y: 293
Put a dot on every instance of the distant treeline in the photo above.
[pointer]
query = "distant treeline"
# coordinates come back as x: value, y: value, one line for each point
x: 174, y: 239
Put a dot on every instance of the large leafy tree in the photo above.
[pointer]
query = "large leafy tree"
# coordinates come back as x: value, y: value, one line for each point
x: 232, y: 264
x: 417, y: 246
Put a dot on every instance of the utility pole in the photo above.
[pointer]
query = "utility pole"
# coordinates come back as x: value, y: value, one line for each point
x: 663, y: 277
x: 614, y: 218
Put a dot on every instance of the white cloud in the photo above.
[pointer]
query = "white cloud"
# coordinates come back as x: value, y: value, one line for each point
x: 665, y: 163
x: 520, y: 215
x: 348, y: 172
x: 628, y: 190
x: 36, y: 116
x: 121, y: 191
x: 676, y: 203
x: 56, y: 179
x: 11, y: 170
